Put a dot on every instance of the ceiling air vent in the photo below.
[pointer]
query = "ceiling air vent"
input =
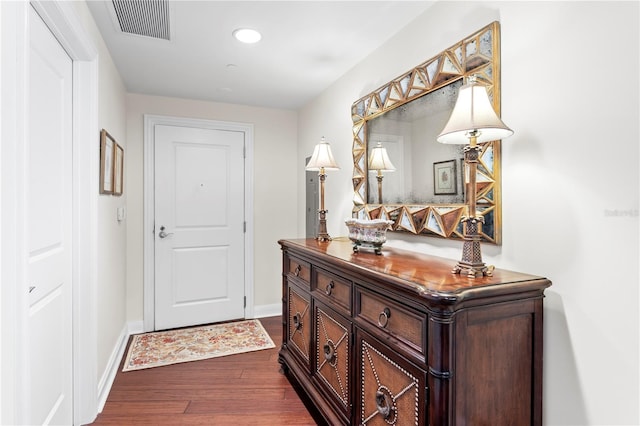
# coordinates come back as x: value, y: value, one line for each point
x: 148, y: 18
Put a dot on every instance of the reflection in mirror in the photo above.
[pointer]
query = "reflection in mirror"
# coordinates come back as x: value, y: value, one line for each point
x: 425, y: 194
x: 379, y: 163
x: 409, y: 135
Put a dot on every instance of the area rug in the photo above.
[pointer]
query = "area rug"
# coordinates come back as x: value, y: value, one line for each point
x: 161, y: 348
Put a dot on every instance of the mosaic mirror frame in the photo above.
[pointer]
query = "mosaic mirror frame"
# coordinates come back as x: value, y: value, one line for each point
x: 477, y: 54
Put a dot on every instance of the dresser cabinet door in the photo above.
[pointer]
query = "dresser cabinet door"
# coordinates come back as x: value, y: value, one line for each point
x: 299, y: 324
x: 392, y: 391
x: 332, y: 364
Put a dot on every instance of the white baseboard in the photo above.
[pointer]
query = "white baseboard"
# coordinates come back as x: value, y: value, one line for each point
x: 262, y: 311
x: 135, y: 327
x: 109, y: 375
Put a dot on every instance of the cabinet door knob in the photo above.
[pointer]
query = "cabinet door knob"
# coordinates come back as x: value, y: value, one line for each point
x: 329, y: 288
x: 383, y: 404
x: 383, y: 318
x: 330, y: 352
x: 297, y: 322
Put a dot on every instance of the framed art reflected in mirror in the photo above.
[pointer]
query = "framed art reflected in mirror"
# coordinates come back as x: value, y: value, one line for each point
x: 444, y: 178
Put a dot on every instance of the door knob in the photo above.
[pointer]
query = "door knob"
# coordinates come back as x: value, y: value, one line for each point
x: 163, y: 234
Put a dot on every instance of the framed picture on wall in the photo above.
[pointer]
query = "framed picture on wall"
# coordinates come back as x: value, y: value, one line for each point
x: 444, y: 178
x: 118, y: 170
x: 107, y: 152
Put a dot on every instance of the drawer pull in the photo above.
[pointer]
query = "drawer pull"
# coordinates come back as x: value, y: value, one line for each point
x: 297, y: 322
x: 383, y: 318
x: 329, y: 288
x: 330, y: 353
x: 297, y: 271
x: 384, y: 403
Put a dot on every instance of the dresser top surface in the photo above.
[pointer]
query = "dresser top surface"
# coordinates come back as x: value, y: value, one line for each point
x: 421, y: 273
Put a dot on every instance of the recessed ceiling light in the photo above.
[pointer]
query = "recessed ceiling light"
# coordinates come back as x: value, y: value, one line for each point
x: 247, y: 35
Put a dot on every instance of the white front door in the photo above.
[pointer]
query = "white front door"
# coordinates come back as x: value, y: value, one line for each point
x: 48, y: 197
x: 199, y: 226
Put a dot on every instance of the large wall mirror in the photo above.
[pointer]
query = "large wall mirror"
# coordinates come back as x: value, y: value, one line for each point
x: 422, y: 192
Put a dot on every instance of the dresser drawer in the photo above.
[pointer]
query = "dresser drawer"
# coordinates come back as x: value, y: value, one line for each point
x: 335, y: 290
x: 298, y: 269
x: 391, y: 318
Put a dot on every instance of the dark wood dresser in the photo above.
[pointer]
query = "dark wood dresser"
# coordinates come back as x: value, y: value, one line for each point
x: 397, y: 339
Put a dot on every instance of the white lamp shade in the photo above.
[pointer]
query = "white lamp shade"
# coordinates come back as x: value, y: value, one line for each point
x: 379, y: 160
x: 322, y: 158
x: 473, y: 112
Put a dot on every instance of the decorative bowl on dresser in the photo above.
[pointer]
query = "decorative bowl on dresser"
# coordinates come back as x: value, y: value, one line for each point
x: 398, y: 339
x: 368, y: 233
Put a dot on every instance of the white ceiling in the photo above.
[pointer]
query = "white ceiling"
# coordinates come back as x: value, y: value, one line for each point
x: 305, y: 47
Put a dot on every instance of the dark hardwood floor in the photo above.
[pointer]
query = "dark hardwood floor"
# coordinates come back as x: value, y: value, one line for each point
x: 243, y: 389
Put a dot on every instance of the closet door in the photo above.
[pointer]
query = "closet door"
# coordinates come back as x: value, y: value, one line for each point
x: 48, y: 196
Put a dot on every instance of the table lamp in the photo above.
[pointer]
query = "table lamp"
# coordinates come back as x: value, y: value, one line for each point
x: 379, y: 162
x: 322, y: 160
x: 472, y: 121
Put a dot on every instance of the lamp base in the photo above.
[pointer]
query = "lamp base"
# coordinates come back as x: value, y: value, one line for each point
x: 471, y: 263
x: 323, y: 236
x: 473, y: 271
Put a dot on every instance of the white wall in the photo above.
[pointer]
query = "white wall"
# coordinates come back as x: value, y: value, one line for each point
x: 275, y: 187
x: 570, y: 179
x: 111, y: 290
x: 111, y: 251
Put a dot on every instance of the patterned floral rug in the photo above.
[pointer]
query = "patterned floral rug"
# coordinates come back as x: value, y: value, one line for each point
x: 192, y: 344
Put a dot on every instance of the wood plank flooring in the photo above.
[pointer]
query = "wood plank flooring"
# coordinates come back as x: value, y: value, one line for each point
x: 243, y: 389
